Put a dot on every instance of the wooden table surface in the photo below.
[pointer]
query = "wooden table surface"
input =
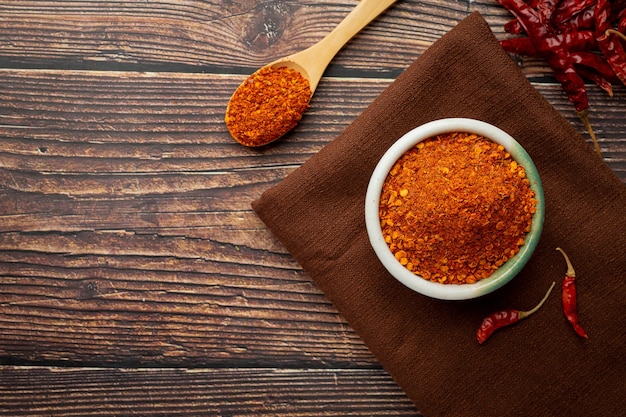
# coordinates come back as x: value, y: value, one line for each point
x: 134, y: 277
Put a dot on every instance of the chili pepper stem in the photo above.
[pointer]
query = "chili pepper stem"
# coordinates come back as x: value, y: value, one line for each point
x: 615, y: 32
x: 524, y: 314
x: 584, y: 117
x: 570, y: 268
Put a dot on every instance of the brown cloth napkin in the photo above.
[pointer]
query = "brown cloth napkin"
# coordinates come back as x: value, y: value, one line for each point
x: 538, y: 367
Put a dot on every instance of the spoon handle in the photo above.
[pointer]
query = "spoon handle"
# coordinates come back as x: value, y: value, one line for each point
x: 357, y: 19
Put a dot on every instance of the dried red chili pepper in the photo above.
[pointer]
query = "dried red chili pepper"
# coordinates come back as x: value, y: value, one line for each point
x: 569, y: 9
x: 514, y: 26
x: 546, y: 9
x: 503, y: 318
x: 578, y: 40
x: 519, y: 46
x: 593, y: 67
x: 568, y: 296
x: 608, y: 42
x: 597, y: 70
x: 596, y: 62
x: 618, y: 12
x: 580, y: 21
x: 573, y: 40
x: 598, y: 79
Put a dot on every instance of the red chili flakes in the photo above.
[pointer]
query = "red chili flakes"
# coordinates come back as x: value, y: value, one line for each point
x: 267, y: 105
x: 455, y: 208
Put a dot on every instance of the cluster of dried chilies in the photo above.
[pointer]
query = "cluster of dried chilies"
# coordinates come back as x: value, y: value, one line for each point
x: 579, y: 39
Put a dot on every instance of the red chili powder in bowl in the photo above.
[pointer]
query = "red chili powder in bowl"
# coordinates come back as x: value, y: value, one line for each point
x: 456, y: 207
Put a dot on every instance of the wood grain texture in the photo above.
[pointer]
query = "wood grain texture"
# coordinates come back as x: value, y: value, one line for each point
x: 220, y: 36
x: 133, y: 272
x: 217, y: 392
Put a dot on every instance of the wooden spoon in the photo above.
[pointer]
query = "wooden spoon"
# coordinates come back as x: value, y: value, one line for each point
x: 312, y: 62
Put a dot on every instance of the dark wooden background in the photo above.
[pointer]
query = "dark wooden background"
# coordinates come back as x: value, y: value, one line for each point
x: 134, y: 277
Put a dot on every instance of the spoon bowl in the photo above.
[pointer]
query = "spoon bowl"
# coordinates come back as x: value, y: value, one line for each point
x: 311, y: 63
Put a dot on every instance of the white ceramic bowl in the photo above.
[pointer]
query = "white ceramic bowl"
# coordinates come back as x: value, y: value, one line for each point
x: 504, y: 273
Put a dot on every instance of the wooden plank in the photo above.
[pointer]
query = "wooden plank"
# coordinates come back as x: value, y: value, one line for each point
x: 232, y: 34
x: 105, y: 316
x: 221, y: 36
x: 44, y: 391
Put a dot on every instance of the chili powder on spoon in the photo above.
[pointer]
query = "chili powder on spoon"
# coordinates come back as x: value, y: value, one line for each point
x: 267, y: 105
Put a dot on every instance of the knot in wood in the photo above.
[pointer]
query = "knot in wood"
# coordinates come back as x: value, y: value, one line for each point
x: 266, y: 25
